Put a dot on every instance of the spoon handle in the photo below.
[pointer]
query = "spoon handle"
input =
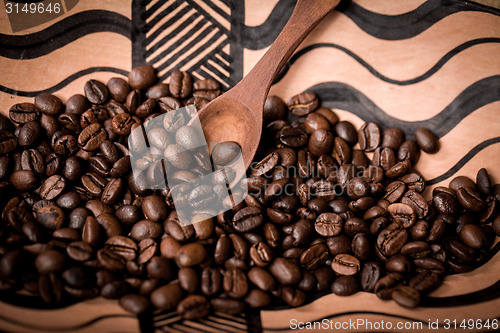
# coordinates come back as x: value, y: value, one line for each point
x: 252, y: 90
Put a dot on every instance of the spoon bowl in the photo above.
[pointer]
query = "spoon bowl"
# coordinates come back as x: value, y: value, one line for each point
x: 227, y: 119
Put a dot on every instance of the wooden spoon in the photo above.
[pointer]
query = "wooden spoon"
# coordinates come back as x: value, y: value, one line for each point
x: 237, y: 114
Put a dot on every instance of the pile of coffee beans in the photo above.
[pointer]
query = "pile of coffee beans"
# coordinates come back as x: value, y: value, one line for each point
x: 330, y: 208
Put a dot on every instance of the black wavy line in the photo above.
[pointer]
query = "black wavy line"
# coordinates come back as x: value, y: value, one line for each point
x: 259, y: 37
x: 62, y: 33
x: 474, y: 151
x: 63, y: 329
x: 440, y: 63
x: 343, y: 96
x: 397, y: 27
x: 388, y: 27
x: 64, y: 82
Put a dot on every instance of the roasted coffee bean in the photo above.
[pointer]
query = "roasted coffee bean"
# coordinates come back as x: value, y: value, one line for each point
x: 438, y: 229
x: 425, y: 282
x: 224, y: 153
x: 473, y: 236
x: 181, y: 84
x: 345, y: 286
x: 392, y: 138
x: 154, y: 208
x: 293, y: 137
x: 146, y: 229
x: 79, y: 251
x: 48, y: 104
x: 399, y: 169
x: 399, y: 264
x: 369, y: 137
x: 161, y: 268
x: 391, y: 240
x: 235, y: 283
x: 314, y: 257
x: 31, y: 160
x: 427, y: 140
x: 417, y: 202
x: 52, y: 187
x: 50, y: 288
x: 345, y: 264
x: 384, y: 157
x: 445, y: 203
x: 285, y: 271
x: 321, y: 142
x: 247, y: 219
x: 470, y: 199
x: 118, y: 89
x: 372, y: 271
x: 8, y: 142
x: 91, y: 137
x: 328, y: 224
x: 193, y: 307
x: 361, y: 246
x: 29, y: 134
x: 409, y: 150
x: 123, y: 246
x: 50, y: 216
x: 167, y: 297
x: 405, y: 296
x: 402, y: 214
x: 191, y: 254
x: 23, y: 113
x: 303, y: 104
x: 142, y: 77
x: 96, y: 92
x: 111, y: 260
x: 261, y: 254
x: 134, y: 303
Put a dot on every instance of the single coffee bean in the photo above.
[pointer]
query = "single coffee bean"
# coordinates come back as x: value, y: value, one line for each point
x: 345, y: 264
x: 50, y: 216
x: 303, y: 104
x: 328, y: 224
x: 405, y: 296
x: 96, y: 92
x: 427, y: 140
x: 167, y: 297
x: 50, y: 288
x: 371, y: 273
x: 181, y: 84
x: 314, y: 257
x: 235, y: 283
x: 193, y: 307
x: 79, y: 251
x: 134, y: 303
x: 402, y: 214
x: 470, y: 199
x: 285, y: 271
x: 445, y: 203
x: 291, y: 296
x: 111, y: 260
x: 123, y: 246
x: 293, y: 137
x: 392, y: 138
x: 91, y: 137
x: 391, y: 240
x: 425, y: 282
x: 345, y: 286
x: 369, y: 137
x: 52, y: 187
x: 247, y: 219
x: 29, y: 134
x: 191, y: 254
x: 473, y: 236
x: 23, y: 113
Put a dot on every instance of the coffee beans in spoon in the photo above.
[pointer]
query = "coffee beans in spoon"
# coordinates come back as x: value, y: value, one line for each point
x: 319, y: 214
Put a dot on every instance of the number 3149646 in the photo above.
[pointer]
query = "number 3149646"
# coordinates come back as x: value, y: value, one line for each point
x: 32, y: 8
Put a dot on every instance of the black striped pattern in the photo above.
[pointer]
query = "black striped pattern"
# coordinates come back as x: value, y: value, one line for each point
x: 219, y: 322
x: 190, y: 35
